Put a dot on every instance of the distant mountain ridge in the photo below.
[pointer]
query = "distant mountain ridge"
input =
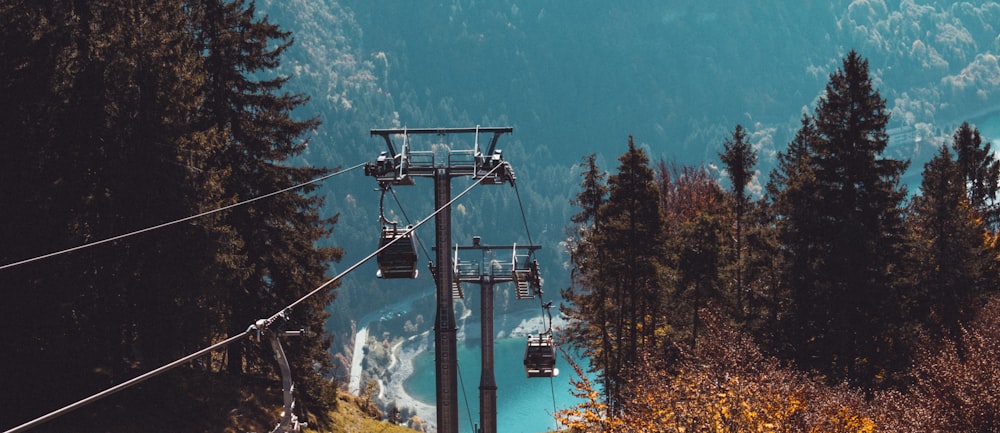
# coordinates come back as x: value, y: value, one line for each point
x: 575, y: 78
x: 584, y: 75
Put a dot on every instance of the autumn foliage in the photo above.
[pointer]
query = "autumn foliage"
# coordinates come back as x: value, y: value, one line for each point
x: 955, y: 382
x: 725, y: 384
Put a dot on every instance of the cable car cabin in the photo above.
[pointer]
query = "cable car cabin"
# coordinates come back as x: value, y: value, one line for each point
x: 540, y: 357
x: 399, y: 260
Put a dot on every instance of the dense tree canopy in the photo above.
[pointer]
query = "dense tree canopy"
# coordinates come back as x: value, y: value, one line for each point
x: 739, y: 158
x: 120, y: 116
x: 835, y: 272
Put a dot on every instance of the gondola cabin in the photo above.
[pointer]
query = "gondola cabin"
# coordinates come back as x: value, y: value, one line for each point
x: 398, y: 260
x: 540, y: 357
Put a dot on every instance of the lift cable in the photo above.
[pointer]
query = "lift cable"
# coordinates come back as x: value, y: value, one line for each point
x: 465, y: 396
x: 524, y: 216
x: 552, y: 389
x: 129, y: 383
x: 546, y: 306
x: 160, y: 226
x: 376, y: 252
x: 423, y: 248
x: 263, y: 323
x: 407, y: 218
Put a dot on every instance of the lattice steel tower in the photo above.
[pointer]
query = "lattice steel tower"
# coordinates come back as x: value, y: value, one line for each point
x: 400, y: 167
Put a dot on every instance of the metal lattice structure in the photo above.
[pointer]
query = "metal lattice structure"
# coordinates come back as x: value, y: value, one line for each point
x: 490, y: 268
x: 401, y: 165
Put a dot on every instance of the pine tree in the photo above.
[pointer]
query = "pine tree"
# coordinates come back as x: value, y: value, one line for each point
x: 593, y: 192
x: 844, y: 258
x: 739, y: 158
x: 104, y: 145
x: 275, y: 258
x: 585, y: 301
x: 949, y: 257
x: 980, y: 171
x: 692, y: 202
x: 115, y: 127
x: 624, y: 258
x: 792, y: 183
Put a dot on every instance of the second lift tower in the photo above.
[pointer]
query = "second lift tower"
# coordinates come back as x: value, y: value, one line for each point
x: 399, y: 166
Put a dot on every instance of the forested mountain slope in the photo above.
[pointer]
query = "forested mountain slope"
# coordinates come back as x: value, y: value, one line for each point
x: 574, y: 78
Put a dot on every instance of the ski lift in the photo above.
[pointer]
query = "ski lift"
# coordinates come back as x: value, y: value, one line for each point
x: 398, y: 260
x: 540, y: 356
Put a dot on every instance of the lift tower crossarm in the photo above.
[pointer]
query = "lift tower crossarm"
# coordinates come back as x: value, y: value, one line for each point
x: 497, y: 131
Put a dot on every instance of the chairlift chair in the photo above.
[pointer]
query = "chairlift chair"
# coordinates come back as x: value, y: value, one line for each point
x: 540, y: 357
x: 399, y: 260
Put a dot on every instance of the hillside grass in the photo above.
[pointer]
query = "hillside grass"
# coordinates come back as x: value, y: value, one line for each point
x: 351, y: 418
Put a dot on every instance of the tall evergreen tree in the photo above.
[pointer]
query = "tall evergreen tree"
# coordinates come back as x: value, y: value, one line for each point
x: 275, y: 258
x: 739, y: 158
x: 105, y: 144
x: 585, y: 301
x: 843, y: 233
x: 627, y: 249
x: 692, y: 202
x: 949, y: 256
x: 980, y: 171
x: 791, y: 183
x: 593, y: 193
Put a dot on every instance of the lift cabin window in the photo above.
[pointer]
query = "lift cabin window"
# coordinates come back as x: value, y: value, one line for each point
x: 398, y: 260
x: 540, y: 357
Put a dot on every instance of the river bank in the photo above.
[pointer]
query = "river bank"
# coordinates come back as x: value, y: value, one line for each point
x: 401, y: 367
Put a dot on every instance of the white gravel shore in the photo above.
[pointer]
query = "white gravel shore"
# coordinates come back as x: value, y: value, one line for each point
x: 400, y: 369
x: 402, y: 353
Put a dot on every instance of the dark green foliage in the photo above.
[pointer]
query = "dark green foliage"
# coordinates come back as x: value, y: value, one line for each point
x: 839, y: 210
x: 593, y: 192
x: 123, y: 115
x: 276, y: 260
x: 739, y: 159
x: 586, y: 301
x: 104, y: 142
x: 617, y: 298
x: 951, y: 259
x: 980, y: 172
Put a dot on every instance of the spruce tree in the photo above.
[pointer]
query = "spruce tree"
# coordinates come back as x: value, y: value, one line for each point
x: 840, y: 207
x: 980, y: 172
x: 593, y: 192
x: 275, y: 258
x: 119, y: 121
x: 739, y: 158
x: 692, y: 202
x: 585, y: 302
x: 792, y: 183
x: 626, y: 252
x: 103, y: 145
x: 948, y: 256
